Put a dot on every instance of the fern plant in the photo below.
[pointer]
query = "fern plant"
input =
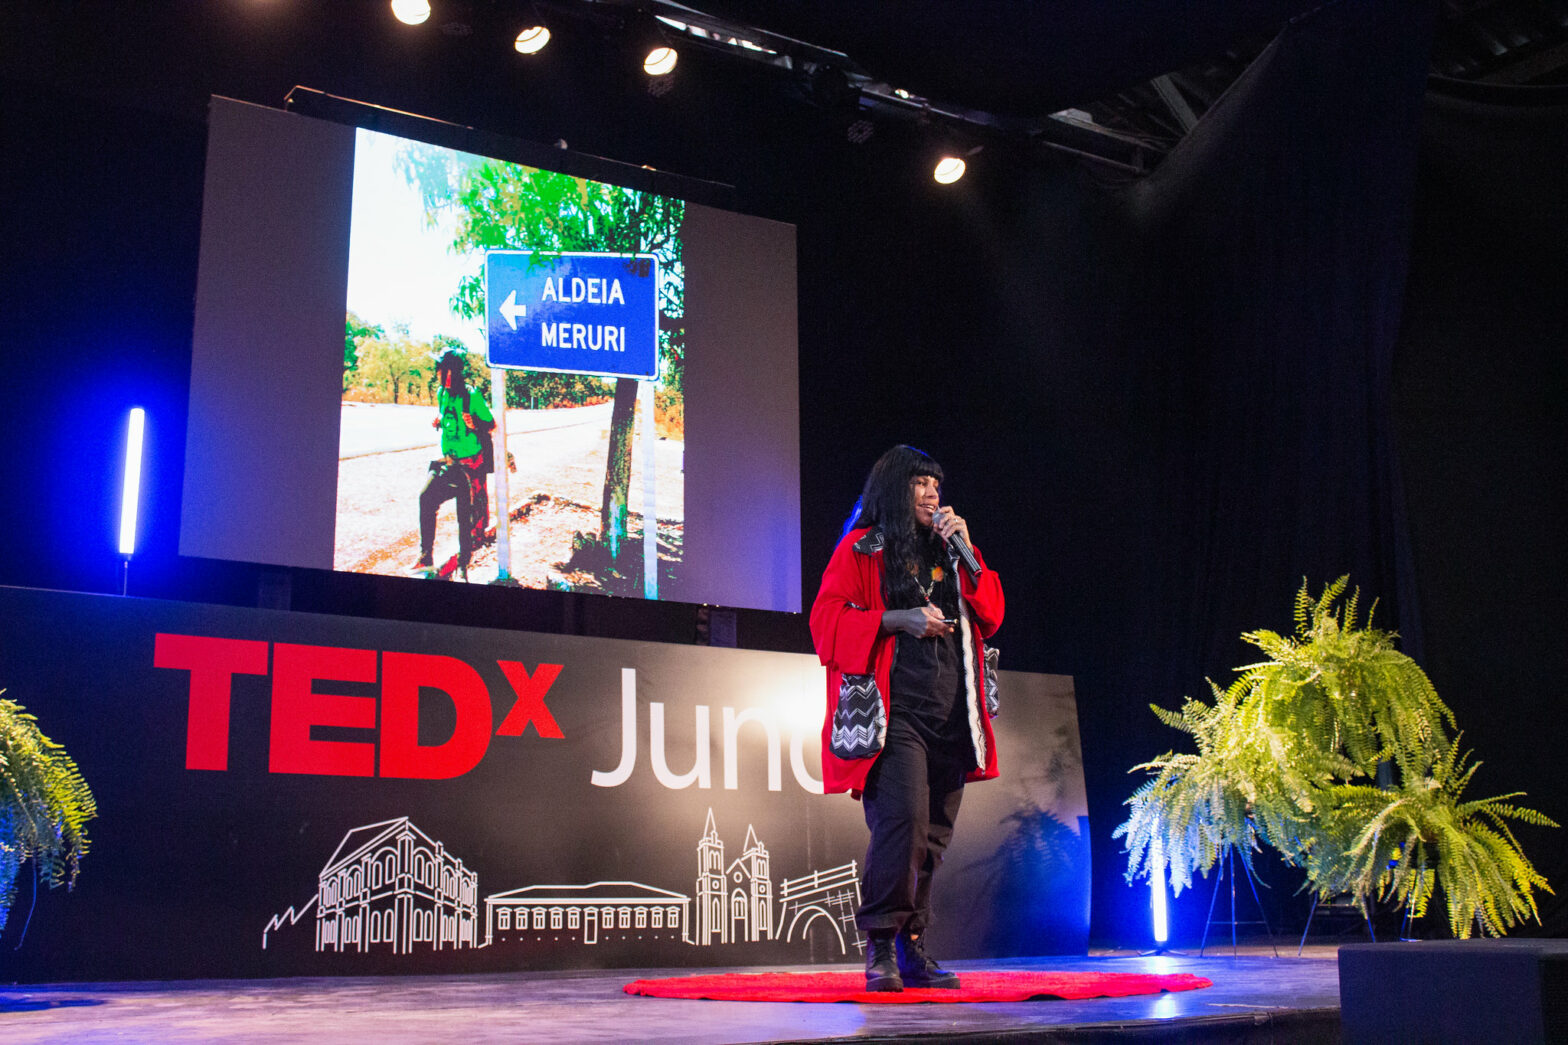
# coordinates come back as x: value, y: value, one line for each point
x: 1288, y: 757
x: 44, y: 806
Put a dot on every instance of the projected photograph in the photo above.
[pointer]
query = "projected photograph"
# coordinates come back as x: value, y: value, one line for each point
x: 495, y: 305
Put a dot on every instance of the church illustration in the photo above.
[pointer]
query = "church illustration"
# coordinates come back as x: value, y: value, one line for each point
x: 734, y: 902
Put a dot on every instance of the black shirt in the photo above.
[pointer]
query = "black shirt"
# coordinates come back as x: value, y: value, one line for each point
x: 928, y: 673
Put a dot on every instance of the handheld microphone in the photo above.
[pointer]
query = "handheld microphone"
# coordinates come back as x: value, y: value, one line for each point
x: 961, y: 548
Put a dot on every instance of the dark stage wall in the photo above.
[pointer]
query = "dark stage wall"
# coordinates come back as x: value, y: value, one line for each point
x: 1481, y: 416
x: 1160, y: 405
x: 285, y: 794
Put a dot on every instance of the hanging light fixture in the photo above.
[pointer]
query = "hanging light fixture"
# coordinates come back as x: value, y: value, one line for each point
x: 949, y: 169
x: 411, y: 12
x: 648, y: 39
x: 532, y: 40
x: 828, y: 87
x: 952, y: 155
x: 660, y: 60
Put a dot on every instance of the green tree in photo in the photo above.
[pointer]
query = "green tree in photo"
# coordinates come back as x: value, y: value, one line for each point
x: 494, y: 205
x: 356, y: 332
x: 388, y: 366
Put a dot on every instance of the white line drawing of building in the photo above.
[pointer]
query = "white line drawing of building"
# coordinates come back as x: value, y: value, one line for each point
x: 832, y: 896
x: 734, y: 902
x: 587, y: 913
x: 390, y: 885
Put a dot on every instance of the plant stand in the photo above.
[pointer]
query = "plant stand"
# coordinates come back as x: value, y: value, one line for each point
x: 1338, y: 904
x: 1227, y: 872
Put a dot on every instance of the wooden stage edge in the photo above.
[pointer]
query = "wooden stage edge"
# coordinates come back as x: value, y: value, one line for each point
x: 1255, y: 998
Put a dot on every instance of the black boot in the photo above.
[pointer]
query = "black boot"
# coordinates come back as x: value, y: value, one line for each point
x: 881, y: 965
x: 917, y: 970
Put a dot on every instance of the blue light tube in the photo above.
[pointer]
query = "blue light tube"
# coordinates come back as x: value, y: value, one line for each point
x: 131, y: 493
x: 1157, y: 904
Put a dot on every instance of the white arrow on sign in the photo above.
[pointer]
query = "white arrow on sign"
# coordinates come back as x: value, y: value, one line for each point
x: 510, y: 309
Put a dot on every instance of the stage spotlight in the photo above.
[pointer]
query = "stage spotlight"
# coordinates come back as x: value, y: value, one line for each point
x: 411, y: 12
x: 646, y: 37
x: 532, y: 39
x: 949, y: 169
x: 660, y: 60
x: 829, y: 89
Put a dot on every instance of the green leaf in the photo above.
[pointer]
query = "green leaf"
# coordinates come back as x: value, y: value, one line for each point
x: 1284, y: 757
x: 44, y: 806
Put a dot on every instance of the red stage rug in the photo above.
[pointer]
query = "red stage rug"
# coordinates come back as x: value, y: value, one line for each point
x: 975, y: 986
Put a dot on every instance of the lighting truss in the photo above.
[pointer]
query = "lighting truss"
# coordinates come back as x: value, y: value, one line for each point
x: 1071, y: 132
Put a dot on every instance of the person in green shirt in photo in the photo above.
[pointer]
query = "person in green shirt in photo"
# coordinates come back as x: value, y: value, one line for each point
x: 465, y: 422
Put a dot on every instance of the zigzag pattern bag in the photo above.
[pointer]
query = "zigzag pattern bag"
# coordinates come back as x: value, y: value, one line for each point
x: 993, y: 697
x: 859, y: 721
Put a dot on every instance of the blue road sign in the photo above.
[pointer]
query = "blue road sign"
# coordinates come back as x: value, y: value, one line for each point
x: 577, y: 313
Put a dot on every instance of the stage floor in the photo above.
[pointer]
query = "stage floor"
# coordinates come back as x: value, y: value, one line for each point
x: 1255, y: 998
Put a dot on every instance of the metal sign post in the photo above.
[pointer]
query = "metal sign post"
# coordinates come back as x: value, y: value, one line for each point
x: 503, y: 520
x: 649, y: 438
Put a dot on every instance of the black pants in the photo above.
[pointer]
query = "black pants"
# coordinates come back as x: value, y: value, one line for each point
x: 447, y: 481
x: 911, y: 801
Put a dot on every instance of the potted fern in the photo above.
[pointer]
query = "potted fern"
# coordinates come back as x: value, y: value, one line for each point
x: 1288, y: 757
x: 44, y: 806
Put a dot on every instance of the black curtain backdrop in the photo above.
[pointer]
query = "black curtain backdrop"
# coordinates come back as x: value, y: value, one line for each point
x: 1481, y: 416
x: 1272, y: 249
x: 1160, y: 404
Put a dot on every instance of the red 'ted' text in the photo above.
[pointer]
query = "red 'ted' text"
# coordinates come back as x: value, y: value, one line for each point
x: 298, y: 706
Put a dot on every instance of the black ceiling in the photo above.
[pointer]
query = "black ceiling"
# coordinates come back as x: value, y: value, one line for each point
x: 1017, y: 58
x: 1116, y: 80
x: 1132, y: 67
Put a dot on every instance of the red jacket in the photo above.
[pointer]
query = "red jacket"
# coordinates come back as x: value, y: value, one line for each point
x: 846, y: 627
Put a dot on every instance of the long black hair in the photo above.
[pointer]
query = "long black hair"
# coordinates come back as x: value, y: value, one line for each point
x: 452, y: 360
x: 888, y: 503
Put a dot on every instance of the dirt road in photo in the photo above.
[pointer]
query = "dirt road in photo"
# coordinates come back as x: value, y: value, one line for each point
x: 385, y: 451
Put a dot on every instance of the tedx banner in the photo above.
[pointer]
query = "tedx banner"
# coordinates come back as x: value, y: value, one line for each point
x: 289, y: 794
